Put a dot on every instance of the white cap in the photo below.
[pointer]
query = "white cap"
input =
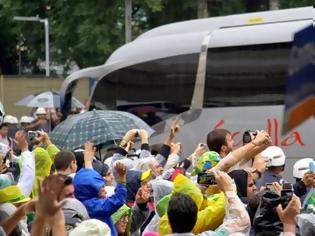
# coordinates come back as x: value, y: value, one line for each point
x: 301, y: 167
x: 40, y: 111
x: 10, y: 119
x: 275, y: 155
x: 91, y: 227
x: 26, y: 119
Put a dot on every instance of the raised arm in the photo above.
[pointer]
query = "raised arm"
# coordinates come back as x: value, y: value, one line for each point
x: 239, y: 219
x: 244, y: 153
x: 27, y: 175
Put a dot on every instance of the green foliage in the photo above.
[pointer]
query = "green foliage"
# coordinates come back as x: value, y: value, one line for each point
x: 296, y: 3
x: 88, y: 31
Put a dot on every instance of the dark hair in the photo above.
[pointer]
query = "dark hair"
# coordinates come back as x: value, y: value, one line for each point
x: 156, y: 148
x: 216, y: 138
x: 67, y: 180
x: 4, y: 125
x: 63, y: 159
x: 182, y: 213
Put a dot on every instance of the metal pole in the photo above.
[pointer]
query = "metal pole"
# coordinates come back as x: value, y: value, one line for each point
x: 45, y: 21
x: 128, y: 10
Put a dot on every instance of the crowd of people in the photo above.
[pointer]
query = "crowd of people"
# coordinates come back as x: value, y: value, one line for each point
x: 217, y: 190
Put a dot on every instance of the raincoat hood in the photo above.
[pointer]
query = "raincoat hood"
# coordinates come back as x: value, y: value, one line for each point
x: 124, y: 210
x: 85, y: 190
x: 133, y: 184
x: 43, y: 162
x: 240, y: 179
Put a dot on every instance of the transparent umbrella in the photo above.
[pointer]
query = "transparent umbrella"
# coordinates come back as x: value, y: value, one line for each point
x: 49, y: 99
x: 98, y: 126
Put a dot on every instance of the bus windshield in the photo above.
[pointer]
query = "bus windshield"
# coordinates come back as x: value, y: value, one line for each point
x: 153, y: 90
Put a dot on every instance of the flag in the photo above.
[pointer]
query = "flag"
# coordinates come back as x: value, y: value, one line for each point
x: 300, y: 93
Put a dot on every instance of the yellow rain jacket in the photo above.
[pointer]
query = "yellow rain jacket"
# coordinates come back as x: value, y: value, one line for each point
x: 44, y: 158
x: 211, y: 209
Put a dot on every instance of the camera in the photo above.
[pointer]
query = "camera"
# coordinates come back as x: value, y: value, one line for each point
x: 249, y: 135
x: 286, y: 194
x: 31, y: 135
x: 206, y: 179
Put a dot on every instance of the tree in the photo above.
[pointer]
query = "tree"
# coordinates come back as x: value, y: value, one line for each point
x: 202, y: 9
x: 87, y: 32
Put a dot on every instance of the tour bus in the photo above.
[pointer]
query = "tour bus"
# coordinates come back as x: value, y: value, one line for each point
x: 221, y: 72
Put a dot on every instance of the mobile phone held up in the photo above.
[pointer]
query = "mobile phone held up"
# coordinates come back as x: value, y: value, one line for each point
x: 206, y: 179
x: 31, y: 135
x: 286, y: 194
x: 269, y: 187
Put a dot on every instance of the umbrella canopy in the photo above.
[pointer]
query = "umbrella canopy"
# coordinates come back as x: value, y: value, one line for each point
x: 47, y: 100
x: 98, y: 126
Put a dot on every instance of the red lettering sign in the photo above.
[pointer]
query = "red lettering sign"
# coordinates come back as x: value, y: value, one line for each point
x: 293, y: 138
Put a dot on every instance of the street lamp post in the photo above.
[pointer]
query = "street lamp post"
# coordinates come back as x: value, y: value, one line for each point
x: 45, y: 22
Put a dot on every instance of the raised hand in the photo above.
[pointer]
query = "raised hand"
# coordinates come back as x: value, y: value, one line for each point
x: 43, y: 137
x: 129, y: 136
x: 143, y: 134
x: 262, y: 139
x: 89, y: 153
x: 48, y: 203
x: 200, y: 149
x: 121, y: 170
x: 176, y: 148
x: 288, y: 215
x: 224, y: 181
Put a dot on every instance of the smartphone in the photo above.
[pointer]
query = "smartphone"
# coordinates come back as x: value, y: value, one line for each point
x: 269, y: 187
x: 286, y: 194
x: 31, y: 135
x: 206, y: 179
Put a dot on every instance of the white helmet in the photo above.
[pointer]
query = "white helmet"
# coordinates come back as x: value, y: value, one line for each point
x: 301, y: 167
x: 26, y: 119
x: 275, y: 155
x: 40, y: 111
x: 10, y: 120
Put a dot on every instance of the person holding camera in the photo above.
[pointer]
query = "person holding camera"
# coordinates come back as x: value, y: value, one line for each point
x: 45, y: 152
x: 182, y: 212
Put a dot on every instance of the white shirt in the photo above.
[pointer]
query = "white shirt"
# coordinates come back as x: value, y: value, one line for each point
x: 4, y: 140
x: 27, y: 174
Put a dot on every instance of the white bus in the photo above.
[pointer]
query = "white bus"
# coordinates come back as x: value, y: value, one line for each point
x: 221, y: 72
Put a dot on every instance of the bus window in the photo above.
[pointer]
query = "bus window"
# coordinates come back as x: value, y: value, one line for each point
x: 246, y: 75
x: 162, y: 86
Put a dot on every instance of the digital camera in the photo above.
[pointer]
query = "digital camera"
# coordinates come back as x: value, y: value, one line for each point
x: 249, y: 135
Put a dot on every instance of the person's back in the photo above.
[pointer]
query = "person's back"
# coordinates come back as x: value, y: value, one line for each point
x: 182, y: 214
